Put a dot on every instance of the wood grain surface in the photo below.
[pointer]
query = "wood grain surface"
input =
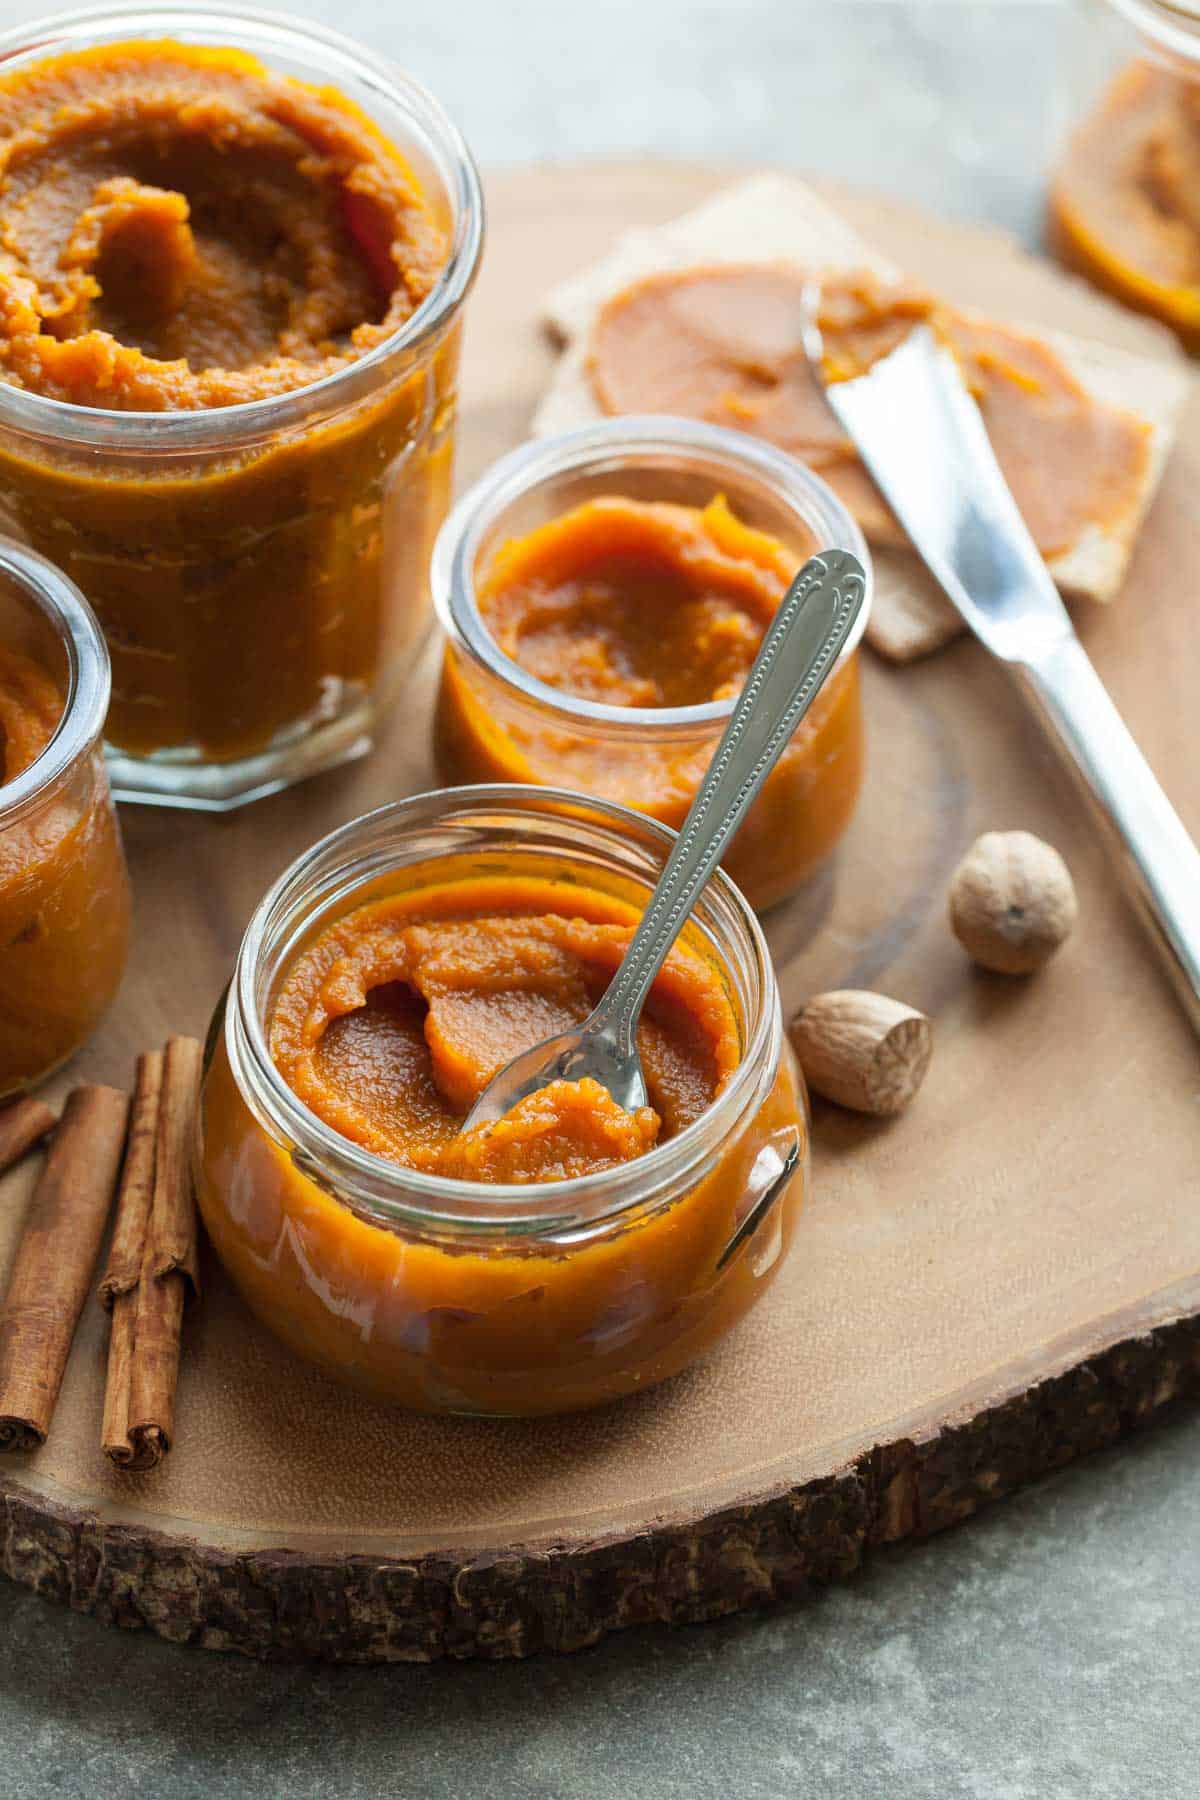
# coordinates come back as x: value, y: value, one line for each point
x: 1003, y: 1279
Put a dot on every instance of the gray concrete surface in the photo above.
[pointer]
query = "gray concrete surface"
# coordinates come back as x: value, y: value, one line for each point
x: 948, y: 101
x: 1048, y: 1651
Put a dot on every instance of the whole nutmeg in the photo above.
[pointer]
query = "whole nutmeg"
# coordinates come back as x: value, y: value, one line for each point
x: 862, y: 1049
x: 1012, y: 902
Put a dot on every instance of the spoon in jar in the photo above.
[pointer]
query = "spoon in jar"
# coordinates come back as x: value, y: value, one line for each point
x: 801, y: 645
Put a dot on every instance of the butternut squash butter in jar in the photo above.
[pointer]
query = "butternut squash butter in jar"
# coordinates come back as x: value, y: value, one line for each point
x: 1125, y: 199
x: 64, y: 891
x: 391, y: 1025
x: 639, y: 603
x: 602, y: 647
x: 31, y: 705
x: 182, y: 229
x: 567, y: 1253
x: 214, y: 267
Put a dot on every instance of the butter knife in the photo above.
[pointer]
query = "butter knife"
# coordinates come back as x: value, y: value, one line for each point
x: 921, y: 435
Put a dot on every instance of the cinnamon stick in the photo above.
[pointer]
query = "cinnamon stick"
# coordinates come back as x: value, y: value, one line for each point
x: 153, y: 1263
x: 173, y: 1241
x: 23, y: 1123
x: 118, y: 1286
x: 54, y: 1261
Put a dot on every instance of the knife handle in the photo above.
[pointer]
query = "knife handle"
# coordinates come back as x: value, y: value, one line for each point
x: 1160, y: 862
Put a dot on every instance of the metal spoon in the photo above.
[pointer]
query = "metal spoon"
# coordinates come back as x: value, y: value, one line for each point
x: 921, y: 435
x: 801, y: 645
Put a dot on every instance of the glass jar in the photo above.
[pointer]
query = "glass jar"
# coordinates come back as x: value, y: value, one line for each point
x: 496, y: 722
x: 260, y: 570
x: 456, y: 1296
x: 1124, y: 205
x: 64, y: 891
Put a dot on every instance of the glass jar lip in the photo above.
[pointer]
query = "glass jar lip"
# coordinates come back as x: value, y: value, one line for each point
x: 89, y: 676
x: 639, y: 439
x: 241, y: 425
x: 1171, y: 25
x: 481, y: 1208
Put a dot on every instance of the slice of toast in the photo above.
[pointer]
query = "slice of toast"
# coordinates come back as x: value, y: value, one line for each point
x: 774, y: 218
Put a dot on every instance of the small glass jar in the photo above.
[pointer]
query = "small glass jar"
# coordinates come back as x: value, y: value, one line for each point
x: 496, y: 722
x: 456, y: 1296
x: 260, y: 570
x: 64, y: 890
x: 1124, y: 203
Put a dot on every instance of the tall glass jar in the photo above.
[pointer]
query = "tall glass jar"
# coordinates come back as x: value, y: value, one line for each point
x: 457, y: 1296
x: 260, y: 570
x: 497, y: 722
x: 1124, y: 205
x: 64, y: 891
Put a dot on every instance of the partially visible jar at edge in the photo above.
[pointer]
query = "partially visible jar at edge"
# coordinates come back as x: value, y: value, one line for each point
x: 459, y: 1296
x: 64, y: 891
x: 495, y: 722
x: 260, y: 570
x: 1124, y: 198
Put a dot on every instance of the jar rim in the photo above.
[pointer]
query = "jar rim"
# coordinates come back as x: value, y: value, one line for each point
x: 248, y: 421
x: 89, y: 675
x: 633, y: 440
x: 451, y: 1204
x: 1171, y: 25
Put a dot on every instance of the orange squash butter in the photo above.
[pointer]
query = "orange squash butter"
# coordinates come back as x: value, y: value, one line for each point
x: 386, y: 1025
x: 183, y: 230
x: 723, y: 343
x: 390, y: 1025
x: 1125, y: 199
x: 64, y: 895
x: 649, y: 604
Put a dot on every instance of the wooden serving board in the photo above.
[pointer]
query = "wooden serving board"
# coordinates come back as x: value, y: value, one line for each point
x: 1002, y: 1280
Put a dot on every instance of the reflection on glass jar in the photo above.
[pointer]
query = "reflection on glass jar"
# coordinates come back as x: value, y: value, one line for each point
x: 452, y: 1295
x: 498, y: 721
x: 254, y: 536
x: 1125, y: 192
x: 64, y: 891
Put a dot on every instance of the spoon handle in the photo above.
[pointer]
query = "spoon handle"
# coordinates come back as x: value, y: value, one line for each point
x: 801, y: 645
